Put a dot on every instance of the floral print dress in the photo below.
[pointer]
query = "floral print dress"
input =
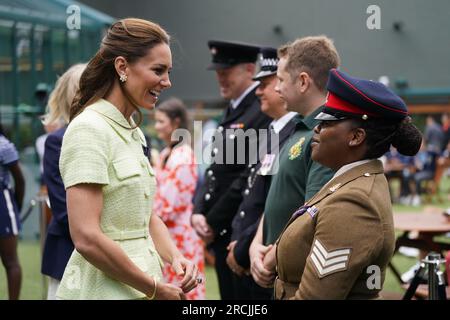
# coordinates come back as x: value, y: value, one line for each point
x: 176, y: 180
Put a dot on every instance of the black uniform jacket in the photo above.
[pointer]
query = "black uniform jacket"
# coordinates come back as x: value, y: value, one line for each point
x: 246, y: 221
x: 220, y: 194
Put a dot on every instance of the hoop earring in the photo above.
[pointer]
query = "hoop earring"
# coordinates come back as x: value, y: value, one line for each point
x: 123, y: 77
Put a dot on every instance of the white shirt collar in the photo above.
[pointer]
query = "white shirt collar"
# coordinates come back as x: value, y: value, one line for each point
x: 349, y: 166
x: 235, y: 103
x: 279, y: 124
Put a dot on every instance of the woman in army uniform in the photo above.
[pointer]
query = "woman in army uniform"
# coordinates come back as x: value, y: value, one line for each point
x: 337, y: 245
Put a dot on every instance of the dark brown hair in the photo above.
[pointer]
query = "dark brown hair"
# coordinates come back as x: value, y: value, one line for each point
x: 382, y: 133
x: 130, y: 38
x: 174, y: 109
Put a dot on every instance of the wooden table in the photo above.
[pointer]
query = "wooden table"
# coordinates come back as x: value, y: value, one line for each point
x: 434, y: 223
x: 428, y: 225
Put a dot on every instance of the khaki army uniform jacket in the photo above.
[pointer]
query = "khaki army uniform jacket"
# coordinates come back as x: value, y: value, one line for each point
x: 337, y: 246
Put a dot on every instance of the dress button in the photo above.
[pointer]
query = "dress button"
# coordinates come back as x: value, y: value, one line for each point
x: 232, y: 136
x: 210, y: 173
x: 252, y: 170
x: 223, y: 232
x: 135, y: 135
x: 242, y: 214
x: 207, y: 196
x: 247, y: 192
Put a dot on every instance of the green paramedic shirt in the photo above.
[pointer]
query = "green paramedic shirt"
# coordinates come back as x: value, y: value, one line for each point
x: 100, y: 147
x: 297, y: 180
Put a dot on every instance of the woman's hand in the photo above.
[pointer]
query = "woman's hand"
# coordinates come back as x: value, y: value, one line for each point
x: 187, y: 269
x: 167, y: 291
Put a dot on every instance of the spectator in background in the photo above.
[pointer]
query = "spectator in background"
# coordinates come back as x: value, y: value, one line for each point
x: 403, y: 168
x: 434, y: 136
x: 40, y: 141
x: 10, y: 206
x: 176, y: 175
x: 425, y: 163
x: 58, y: 244
x: 446, y: 153
x: 445, y: 119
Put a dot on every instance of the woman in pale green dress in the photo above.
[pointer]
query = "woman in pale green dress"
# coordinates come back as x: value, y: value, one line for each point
x: 110, y: 184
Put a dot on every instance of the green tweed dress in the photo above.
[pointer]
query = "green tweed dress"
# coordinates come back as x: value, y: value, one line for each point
x: 99, y: 147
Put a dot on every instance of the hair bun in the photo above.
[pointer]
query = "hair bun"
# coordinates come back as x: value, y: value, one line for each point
x: 407, y: 139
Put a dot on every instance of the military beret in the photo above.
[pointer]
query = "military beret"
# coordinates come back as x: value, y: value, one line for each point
x: 227, y: 54
x: 350, y: 97
x: 268, y: 64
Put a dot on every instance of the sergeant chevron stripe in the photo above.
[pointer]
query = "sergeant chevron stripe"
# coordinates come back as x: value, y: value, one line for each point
x: 328, y: 262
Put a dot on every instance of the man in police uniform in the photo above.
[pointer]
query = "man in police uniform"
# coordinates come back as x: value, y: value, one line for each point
x: 245, y: 222
x: 302, y: 77
x: 218, y: 198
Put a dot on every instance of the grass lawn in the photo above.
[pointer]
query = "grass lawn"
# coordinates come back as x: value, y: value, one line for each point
x: 32, y: 285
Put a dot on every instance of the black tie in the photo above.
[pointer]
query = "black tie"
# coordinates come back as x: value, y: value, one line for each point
x: 228, y: 111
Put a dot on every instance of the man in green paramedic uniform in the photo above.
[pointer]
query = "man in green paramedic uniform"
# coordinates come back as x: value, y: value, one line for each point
x: 302, y: 76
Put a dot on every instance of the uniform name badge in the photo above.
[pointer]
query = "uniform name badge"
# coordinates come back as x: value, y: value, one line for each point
x: 267, y: 164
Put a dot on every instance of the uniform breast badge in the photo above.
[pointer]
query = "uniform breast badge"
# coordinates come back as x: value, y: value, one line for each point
x: 312, y: 211
x: 237, y: 126
x: 267, y: 164
x: 296, y: 149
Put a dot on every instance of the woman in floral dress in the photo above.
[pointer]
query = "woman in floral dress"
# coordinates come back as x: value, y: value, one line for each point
x: 176, y: 174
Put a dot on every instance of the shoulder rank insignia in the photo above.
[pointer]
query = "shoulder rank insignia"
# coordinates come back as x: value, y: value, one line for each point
x: 328, y: 262
x: 335, y: 187
x: 296, y: 149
